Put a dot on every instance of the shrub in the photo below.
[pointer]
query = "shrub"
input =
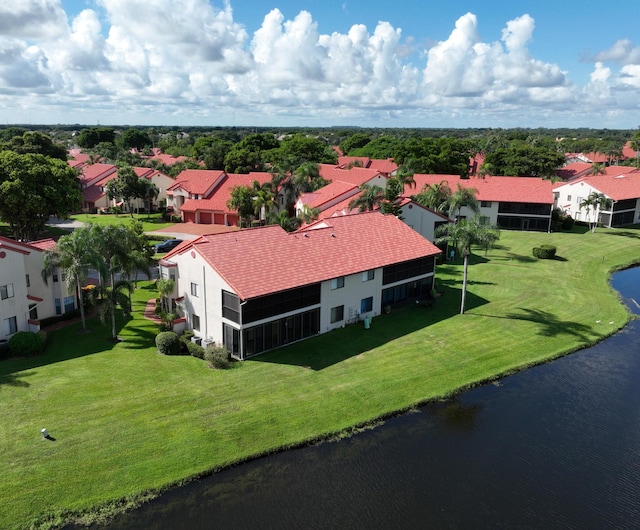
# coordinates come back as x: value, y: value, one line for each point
x: 544, y: 252
x: 567, y: 223
x: 25, y: 344
x: 168, y: 343
x: 217, y: 356
x: 195, y: 350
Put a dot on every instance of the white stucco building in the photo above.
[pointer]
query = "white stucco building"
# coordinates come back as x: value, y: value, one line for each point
x: 261, y: 288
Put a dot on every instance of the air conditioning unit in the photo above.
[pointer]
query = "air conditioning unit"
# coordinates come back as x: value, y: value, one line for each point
x: 197, y: 340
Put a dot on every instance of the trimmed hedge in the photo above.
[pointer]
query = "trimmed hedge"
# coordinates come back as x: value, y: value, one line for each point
x: 544, y: 252
x: 168, y: 343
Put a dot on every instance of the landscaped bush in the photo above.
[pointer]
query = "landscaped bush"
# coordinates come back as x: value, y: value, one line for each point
x: 195, y: 350
x: 168, y: 343
x: 217, y: 356
x: 544, y: 252
x: 25, y: 344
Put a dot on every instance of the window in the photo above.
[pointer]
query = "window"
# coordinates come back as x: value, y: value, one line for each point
x: 568, y: 197
x: 337, y: 314
x: 194, y: 289
x: 369, y: 275
x: 366, y: 305
x: 10, y: 325
x: 58, y: 307
x: 172, y: 274
x: 33, y: 312
x: 337, y: 283
x: 55, y: 277
x: 6, y: 291
x: 485, y: 204
x: 28, y: 280
x: 69, y: 303
x: 195, y: 322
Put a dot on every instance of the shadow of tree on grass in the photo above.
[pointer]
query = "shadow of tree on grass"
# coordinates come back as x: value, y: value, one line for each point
x: 341, y: 344
x: 549, y: 324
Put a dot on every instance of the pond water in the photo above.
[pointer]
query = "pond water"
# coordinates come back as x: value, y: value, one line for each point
x: 556, y: 446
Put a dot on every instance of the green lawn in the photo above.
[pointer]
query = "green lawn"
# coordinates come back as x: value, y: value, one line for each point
x: 150, y: 222
x: 127, y: 420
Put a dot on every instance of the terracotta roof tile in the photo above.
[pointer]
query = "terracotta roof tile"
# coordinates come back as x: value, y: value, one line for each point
x: 260, y: 261
x: 500, y: 189
x: 197, y: 181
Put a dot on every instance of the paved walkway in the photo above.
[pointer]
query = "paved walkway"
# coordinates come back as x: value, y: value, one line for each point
x: 150, y: 311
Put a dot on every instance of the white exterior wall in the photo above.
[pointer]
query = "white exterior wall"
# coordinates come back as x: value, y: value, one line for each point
x: 349, y: 296
x: 421, y: 220
x: 490, y: 212
x: 569, y: 197
x: 14, y: 268
x: 208, y: 304
x: 38, y: 288
x: 12, y: 271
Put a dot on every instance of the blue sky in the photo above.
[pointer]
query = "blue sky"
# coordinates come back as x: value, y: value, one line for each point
x: 321, y: 63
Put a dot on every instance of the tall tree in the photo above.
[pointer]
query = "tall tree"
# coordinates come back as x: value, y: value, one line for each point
x: 74, y: 254
x: 126, y: 187
x: 33, y: 188
x: 241, y: 202
x: 36, y: 143
x: 463, y: 235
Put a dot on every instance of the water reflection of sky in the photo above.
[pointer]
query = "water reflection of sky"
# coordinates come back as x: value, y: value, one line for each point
x: 628, y: 282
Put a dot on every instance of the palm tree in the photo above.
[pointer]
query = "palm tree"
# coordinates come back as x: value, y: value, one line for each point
x: 262, y: 200
x: 149, y: 192
x: 435, y: 197
x: 370, y: 198
x: 463, y: 235
x: 73, y: 254
x: 597, y: 168
x: 307, y: 177
x: 165, y: 287
x: 112, y: 244
x: 307, y: 214
x: 405, y: 177
x: 597, y: 201
x: 463, y: 197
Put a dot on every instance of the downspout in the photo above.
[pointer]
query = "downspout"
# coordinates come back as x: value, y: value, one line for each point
x: 550, y: 218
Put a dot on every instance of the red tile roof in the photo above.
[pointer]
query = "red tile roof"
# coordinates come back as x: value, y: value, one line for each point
x: 326, y: 249
x: 573, y: 170
x: 387, y: 166
x: 618, y: 185
x: 499, y: 189
x: 197, y: 181
x: 96, y: 171
x: 328, y: 193
x: 24, y: 248
x: 218, y: 199
x: 355, y: 175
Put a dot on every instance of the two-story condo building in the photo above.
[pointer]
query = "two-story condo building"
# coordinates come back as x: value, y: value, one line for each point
x: 261, y: 288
